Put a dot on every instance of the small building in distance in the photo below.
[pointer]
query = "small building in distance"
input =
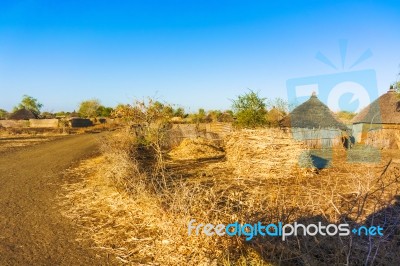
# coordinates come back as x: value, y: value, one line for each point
x: 274, y: 116
x: 315, y: 124
x: 23, y: 114
x: 80, y: 122
x: 378, y: 124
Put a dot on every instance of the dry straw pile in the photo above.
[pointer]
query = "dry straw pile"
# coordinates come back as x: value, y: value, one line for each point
x: 264, y: 153
x: 192, y: 149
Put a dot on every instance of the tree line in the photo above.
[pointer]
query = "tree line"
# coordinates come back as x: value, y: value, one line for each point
x: 248, y: 110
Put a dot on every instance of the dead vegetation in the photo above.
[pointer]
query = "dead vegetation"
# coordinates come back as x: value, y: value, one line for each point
x: 127, y: 210
x: 199, y: 148
x: 11, y: 138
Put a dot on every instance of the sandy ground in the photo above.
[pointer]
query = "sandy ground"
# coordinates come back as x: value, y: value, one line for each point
x: 32, y: 230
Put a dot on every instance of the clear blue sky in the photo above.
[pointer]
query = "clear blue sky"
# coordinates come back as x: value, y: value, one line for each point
x: 191, y: 53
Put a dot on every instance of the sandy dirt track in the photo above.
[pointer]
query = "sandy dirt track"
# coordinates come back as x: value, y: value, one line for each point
x: 32, y: 230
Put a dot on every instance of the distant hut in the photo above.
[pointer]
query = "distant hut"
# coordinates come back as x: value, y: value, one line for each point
x: 23, y: 114
x: 225, y: 117
x: 378, y: 124
x: 315, y: 124
x: 274, y: 116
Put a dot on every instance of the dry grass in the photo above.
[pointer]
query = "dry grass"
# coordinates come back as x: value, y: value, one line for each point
x: 386, y: 138
x: 119, y: 211
x: 14, y: 138
x: 9, y: 143
x: 192, y: 149
x: 118, y: 206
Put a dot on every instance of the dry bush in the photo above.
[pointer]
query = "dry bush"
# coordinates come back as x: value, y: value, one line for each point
x: 119, y: 211
x: 143, y: 224
x: 384, y: 138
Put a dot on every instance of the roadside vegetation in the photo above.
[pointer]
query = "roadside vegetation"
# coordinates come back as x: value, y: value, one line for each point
x: 136, y: 199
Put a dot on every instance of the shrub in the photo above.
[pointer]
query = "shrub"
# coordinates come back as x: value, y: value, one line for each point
x: 250, y: 110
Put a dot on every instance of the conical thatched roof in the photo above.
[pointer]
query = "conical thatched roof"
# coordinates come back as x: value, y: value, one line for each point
x: 312, y: 114
x: 276, y: 114
x: 23, y: 114
x: 384, y: 110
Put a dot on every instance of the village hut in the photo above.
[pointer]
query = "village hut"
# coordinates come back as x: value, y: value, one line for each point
x: 274, y: 116
x: 225, y: 117
x: 23, y: 114
x: 378, y: 124
x: 315, y: 124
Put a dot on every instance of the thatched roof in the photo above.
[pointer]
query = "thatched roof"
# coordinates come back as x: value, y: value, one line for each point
x: 23, y: 114
x: 276, y: 114
x: 312, y: 114
x: 384, y: 110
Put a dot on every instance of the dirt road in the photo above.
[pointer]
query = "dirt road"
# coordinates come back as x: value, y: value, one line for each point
x: 32, y: 231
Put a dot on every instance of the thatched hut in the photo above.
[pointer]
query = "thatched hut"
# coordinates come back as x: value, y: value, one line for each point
x: 274, y: 116
x: 23, y: 114
x: 378, y: 124
x: 315, y: 124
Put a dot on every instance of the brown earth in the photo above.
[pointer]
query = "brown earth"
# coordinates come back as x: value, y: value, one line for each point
x: 32, y: 230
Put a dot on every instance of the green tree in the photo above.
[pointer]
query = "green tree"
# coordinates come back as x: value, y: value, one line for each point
x: 156, y: 109
x: 89, y: 108
x: 62, y: 113
x: 277, y: 110
x: 29, y: 103
x: 201, y: 115
x: 279, y: 104
x: 396, y: 86
x: 179, y: 112
x: 250, y: 110
x: 104, y: 111
x: 47, y: 115
x: 3, y: 114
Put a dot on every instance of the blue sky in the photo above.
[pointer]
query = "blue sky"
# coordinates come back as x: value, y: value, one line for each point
x: 190, y: 53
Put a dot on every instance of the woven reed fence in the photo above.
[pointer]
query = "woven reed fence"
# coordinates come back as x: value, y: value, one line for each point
x: 43, y: 123
x: 383, y: 138
x: 319, y: 138
x: 266, y: 153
